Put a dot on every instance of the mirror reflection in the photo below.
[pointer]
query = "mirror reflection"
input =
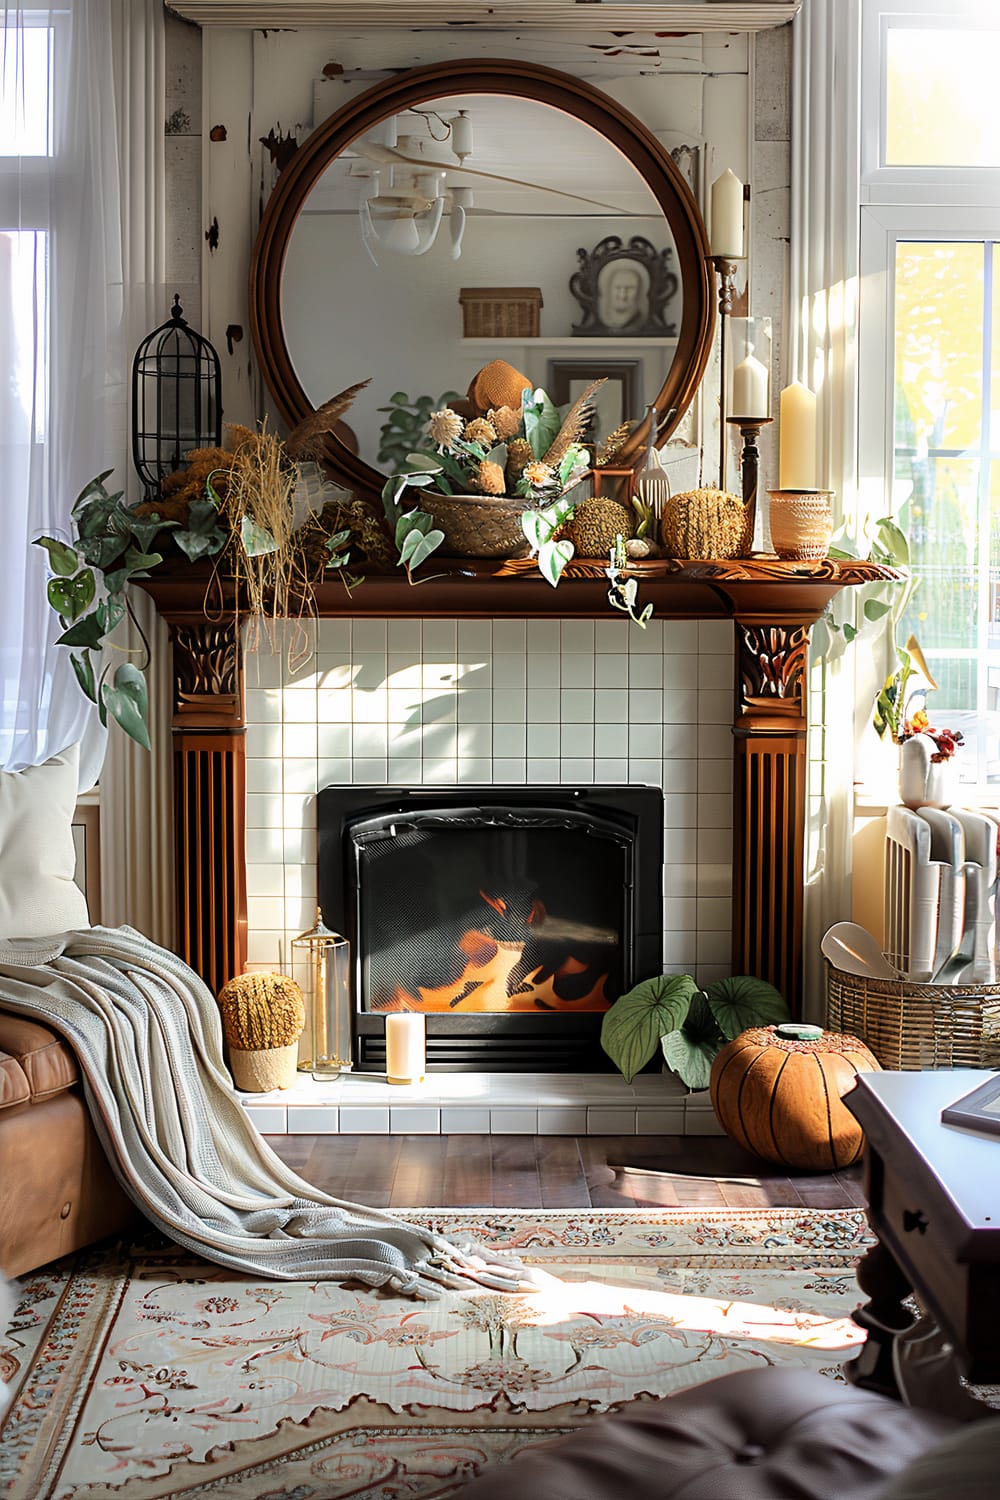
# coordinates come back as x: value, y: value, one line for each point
x: 470, y: 227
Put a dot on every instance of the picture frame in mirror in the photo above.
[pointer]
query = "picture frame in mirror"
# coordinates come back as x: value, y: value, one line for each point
x: 624, y: 288
x: 618, y: 399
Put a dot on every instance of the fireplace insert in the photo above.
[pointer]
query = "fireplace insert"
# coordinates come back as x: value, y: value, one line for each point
x: 510, y: 917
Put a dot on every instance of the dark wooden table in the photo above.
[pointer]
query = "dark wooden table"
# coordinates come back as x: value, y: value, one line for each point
x: 933, y: 1195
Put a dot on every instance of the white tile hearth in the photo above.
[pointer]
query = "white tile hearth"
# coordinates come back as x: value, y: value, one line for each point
x: 486, y: 1104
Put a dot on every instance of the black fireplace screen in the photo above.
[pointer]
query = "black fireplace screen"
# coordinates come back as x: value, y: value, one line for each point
x: 512, y: 918
x: 491, y: 911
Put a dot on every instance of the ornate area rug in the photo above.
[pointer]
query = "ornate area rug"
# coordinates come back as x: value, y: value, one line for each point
x: 139, y: 1371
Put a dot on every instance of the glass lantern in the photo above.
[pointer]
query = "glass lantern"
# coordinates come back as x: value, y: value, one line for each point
x: 329, y: 960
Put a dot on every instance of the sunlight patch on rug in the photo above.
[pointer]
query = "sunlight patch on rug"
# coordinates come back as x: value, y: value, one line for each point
x: 140, y: 1372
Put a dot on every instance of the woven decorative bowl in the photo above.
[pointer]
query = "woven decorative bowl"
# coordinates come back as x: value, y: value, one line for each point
x: 478, y: 525
x: 801, y: 523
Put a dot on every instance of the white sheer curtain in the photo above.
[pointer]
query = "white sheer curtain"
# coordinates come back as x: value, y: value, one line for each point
x: 136, y: 785
x: 62, y: 400
x: 81, y: 282
x: 822, y: 342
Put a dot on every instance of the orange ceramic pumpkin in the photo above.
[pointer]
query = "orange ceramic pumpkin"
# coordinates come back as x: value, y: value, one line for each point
x: 777, y: 1090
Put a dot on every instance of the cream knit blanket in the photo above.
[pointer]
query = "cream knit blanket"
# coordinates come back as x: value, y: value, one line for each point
x: 147, y: 1034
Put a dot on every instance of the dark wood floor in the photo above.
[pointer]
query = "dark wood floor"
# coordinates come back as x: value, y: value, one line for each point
x: 520, y: 1171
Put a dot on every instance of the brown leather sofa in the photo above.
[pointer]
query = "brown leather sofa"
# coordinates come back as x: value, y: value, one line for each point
x: 57, y: 1191
x: 763, y: 1434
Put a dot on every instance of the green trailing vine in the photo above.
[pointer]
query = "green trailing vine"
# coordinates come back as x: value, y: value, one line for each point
x: 112, y: 546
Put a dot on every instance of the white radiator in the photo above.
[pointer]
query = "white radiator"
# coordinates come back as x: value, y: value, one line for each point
x: 940, y: 894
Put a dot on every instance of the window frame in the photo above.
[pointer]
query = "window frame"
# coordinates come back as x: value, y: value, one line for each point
x: 906, y: 204
x: 901, y: 184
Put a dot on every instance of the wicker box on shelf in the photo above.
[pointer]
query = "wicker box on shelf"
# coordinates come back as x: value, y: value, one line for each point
x: 910, y: 1026
x: 500, y: 312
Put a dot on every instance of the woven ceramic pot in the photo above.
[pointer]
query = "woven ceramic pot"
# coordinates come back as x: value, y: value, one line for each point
x: 777, y: 1091
x: 478, y: 525
x: 801, y: 524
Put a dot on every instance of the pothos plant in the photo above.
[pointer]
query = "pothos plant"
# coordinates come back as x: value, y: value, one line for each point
x: 689, y: 1024
x: 113, y: 545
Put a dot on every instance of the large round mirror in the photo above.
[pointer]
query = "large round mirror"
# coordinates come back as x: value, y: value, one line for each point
x: 466, y: 212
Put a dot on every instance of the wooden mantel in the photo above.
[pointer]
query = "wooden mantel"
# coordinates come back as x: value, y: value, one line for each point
x: 772, y: 605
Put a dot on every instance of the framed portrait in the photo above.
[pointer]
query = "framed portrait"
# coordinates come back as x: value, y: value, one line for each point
x: 616, y: 401
x: 624, y: 288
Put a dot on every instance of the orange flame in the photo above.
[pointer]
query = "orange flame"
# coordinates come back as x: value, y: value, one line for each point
x: 484, y: 983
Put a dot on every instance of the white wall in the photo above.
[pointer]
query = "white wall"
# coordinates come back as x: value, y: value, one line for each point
x: 476, y: 701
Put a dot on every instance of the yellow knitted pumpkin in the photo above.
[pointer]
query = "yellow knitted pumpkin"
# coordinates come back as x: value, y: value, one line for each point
x: 263, y: 1016
x: 705, y: 523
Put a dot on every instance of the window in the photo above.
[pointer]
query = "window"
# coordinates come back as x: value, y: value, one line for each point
x: 929, y: 350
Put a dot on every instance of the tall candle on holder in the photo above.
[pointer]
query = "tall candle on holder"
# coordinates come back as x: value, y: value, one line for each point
x: 405, y: 1047
x: 750, y: 389
x: 727, y: 216
x: 797, y: 438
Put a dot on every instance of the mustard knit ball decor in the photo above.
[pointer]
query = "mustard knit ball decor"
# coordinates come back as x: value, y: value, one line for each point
x: 263, y: 1016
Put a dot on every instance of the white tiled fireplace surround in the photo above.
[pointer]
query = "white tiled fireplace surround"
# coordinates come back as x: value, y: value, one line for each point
x: 467, y: 702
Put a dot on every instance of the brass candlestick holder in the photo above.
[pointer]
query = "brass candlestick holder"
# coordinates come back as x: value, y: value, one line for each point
x: 750, y: 461
x: 726, y: 267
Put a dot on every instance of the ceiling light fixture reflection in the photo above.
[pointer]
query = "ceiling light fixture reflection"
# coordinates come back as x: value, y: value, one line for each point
x: 401, y: 208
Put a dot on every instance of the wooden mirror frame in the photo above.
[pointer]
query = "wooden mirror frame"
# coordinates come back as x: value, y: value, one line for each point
x: 417, y: 86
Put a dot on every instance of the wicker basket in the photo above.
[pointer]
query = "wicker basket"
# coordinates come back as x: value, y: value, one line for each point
x: 478, y: 525
x: 500, y: 312
x: 912, y: 1026
x: 801, y: 523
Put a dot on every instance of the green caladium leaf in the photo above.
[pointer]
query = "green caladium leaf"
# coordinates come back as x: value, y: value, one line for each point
x: 145, y: 528
x: 552, y: 559
x: 691, y: 1060
x: 84, y: 669
x: 391, y: 492
x: 101, y: 551
x: 413, y: 520
x: 541, y: 421
x: 86, y: 632
x: 72, y: 597
x: 739, y: 1002
x: 135, y: 565
x: 632, y: 1028
x: 257, y: 540
x: 418, y: 546
x: 874, y: 609
x: 203, y: 536
x: 63, y: 560
x: 127, y: 702
x: 110, y: 612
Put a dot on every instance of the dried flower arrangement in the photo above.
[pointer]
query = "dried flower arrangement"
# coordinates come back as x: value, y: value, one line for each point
x: 508, y: 441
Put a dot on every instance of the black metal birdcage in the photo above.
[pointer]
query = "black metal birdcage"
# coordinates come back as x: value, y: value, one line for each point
x: 176, y: 399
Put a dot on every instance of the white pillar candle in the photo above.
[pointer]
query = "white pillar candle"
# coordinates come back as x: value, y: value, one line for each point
x: 797, y: 438
x: 750, y: 392
x: 405, y: 1047
x: 727, y: 216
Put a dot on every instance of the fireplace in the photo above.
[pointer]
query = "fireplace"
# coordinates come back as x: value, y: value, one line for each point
x: 511, y: 917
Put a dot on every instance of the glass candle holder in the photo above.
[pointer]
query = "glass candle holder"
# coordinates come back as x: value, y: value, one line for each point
x: 329, y: 957
x: 749, y: 395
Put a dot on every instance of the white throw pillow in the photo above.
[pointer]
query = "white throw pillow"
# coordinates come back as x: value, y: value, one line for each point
x: 38, y: 895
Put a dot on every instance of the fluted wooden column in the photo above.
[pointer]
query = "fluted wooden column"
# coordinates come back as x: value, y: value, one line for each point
x: 210, y: 796
x: 769, y: 799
